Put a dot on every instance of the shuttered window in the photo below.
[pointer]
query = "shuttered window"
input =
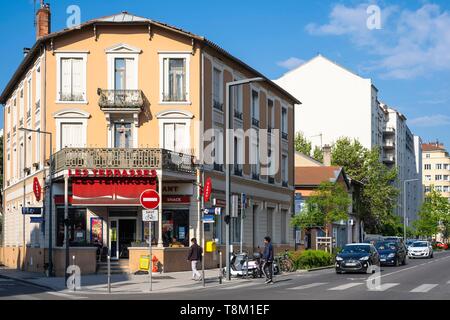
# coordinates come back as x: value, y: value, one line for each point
x: 71, y: 135
x: 71, y: 87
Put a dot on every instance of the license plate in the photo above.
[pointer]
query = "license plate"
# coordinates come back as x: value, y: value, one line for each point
x: 383, y: 260
x: 351, y: 264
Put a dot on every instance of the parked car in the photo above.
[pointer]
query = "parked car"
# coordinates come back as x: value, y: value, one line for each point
x: 357, y: 257
x: 421, y: 249
x: 392, y: 252
x: 440, y: 245
x: 409, y: 242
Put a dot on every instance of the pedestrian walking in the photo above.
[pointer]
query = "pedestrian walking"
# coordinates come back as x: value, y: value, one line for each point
x: 268, y: 259
x: 195, y: 256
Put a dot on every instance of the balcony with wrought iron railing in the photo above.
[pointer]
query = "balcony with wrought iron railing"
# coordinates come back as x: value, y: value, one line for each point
x: 389, y: 159
x: 120, y: 99
x: 389, y: 144
x: 118, y: 158
x: 217, y: 105
x: 238, y: 114
x: 389, y: 130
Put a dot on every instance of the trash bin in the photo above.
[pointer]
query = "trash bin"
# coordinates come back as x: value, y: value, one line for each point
x: 144, y: 263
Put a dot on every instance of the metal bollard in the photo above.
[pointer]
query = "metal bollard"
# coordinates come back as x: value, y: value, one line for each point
x: 109, y: 273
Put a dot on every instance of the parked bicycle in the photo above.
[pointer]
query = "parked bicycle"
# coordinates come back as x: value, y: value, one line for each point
x: 284, y: 262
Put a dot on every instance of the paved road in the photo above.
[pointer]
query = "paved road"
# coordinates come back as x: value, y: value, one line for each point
x: 420, y: 279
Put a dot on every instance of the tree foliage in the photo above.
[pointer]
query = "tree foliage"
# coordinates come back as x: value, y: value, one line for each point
x: 318, y: 154
x: 434, y: 215
x: 328, y: 204
x: 302, y: 144
x: 379, y: 196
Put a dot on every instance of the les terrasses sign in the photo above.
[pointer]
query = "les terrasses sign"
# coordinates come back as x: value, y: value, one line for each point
x: 112, y: 173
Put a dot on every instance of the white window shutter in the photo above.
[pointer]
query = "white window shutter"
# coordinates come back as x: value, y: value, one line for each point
x: 71, y: 135
x: 180, y: 138
x: 77, y: 78
x: 130, y: 81
x: 66, y: 74
x: 169, y: 136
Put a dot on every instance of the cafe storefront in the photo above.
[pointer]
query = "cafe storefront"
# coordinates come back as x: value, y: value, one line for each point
x: 104, y: 212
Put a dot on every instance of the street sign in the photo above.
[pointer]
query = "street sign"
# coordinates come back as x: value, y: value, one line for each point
x: 207, y: 190
x: 149, y: 215
x: 209, y: 218
x: 150, y: 199
x: 26, y: 210
x: 37, y: 189
x: 213, y: 211
x: 36, y: 219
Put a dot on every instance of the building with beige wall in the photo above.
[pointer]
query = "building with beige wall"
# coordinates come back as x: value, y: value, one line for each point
x: 129, y: 103
x: 436, y: 168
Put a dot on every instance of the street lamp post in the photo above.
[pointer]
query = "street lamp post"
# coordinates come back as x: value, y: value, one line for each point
x: 50, y: 226
x: 404, y: 206
x: 229, y: 140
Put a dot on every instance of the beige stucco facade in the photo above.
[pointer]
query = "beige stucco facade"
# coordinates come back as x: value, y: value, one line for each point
x: 144, y: 45
x: 436, y: 169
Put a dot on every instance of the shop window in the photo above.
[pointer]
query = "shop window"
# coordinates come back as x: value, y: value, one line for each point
x: 77, y: 227
x: 175, y: 227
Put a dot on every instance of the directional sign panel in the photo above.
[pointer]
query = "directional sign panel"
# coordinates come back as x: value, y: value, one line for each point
x: 208, y: 218
x: 36, y: 219
x: 27, y: 210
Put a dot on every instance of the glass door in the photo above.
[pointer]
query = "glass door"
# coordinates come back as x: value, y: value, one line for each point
x: 113, y: 240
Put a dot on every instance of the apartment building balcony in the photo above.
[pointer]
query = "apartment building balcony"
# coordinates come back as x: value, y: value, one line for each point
x: 218, y: 105
x: 238, y: 170
x: 389, y: 144
x: 238, y: 115
x: 284, y: 135
x: 120, y: 99
x: 389, y: 130
x: 117, y: 158
x: 255, y: 122
x: 389, y: 159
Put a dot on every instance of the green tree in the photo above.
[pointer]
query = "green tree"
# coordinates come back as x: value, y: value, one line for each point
x: 302, y: 144
x: 434, y: 215
x: 318, y: 154
x: 379, y: 196
x: 329, y: 203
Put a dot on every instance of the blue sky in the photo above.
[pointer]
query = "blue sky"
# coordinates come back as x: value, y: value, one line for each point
x: 408, y: 58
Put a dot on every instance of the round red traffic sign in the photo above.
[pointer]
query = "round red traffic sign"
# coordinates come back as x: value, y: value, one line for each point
x: 150, y: 199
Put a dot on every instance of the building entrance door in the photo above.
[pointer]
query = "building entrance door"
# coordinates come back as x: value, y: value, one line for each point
x: 122, y: 234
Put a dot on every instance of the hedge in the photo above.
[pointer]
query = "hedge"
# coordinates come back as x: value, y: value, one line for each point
x: 311, y: 259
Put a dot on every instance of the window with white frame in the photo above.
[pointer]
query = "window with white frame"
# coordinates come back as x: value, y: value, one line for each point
x: 218, y: 149
x: 438, y: 166
x: 445, y: 188
x: 38, y: 147
x: 427, y: 188
x: 71, y: 128
x: 255, y: 165
x: 174, y: 77
x: 38, y: 87
x: 438, y: 188
x: 438, y: 177
x: 175, y: 137
x: 14, y: 162
x: 446, y: 177
x: 71, y: 77
x: 446, y: 166
x: 29, y: 96
x: 427, y: 178
x: 21, y: 157
x: 271, y: 113
x: 217, y: 88
x: 14, y: 111
x: 29, y: 156
x: 427, y: 167
x: 8, y: 164
x: 71, y: 135
x: 427, y: 155
x: 21, y: 107
x: 255, y: 108
x: 238, y: 156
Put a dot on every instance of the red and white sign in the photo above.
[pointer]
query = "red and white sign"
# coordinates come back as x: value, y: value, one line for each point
x: 110, y: 173
x: 150, y: 199
x: 37, y: 189
x: 176, y: 199
x: 207, y: 190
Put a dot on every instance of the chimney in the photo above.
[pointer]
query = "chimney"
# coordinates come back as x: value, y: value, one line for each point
x: 26, y: 51
x: 326, y: 155
x: 43, y: 20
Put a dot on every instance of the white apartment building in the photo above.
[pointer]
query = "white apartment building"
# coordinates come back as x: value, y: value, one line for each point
x: 337, y: 103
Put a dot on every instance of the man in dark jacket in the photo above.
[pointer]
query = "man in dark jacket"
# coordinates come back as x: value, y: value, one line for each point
x: 195, y: 256
x: 268, y: 259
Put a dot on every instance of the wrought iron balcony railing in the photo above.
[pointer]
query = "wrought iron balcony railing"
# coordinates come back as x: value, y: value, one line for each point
x: 218, y: 105
x: 238, y: 115
x: 117, y: 158
x: 110, y: 99
x: 255, y: 122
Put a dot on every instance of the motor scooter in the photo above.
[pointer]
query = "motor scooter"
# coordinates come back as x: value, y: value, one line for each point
x: 241, y: 265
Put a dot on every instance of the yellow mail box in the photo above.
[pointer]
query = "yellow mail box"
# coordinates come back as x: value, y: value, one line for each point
x: 210, y: 246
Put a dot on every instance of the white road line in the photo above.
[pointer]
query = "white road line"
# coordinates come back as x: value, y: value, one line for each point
x: 424, y: 288
x: 386, y: 286
x: 23, y: 297
x: 65, y: 295
x: 307, y: 286
x: 346, y: 286
x: 241, y: 286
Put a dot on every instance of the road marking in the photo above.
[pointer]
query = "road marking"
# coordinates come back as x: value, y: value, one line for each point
x: 307, y: 286
x: 346, y: 286
x: 241, y: 286
x: 24, y: 297
x: 385, y: 286
x: 424, y: 288
x: 65, y: 295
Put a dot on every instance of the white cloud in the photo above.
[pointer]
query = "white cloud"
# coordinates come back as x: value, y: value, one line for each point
x: 431, y: 121
x: 291, y: 63
x: 410, y: 43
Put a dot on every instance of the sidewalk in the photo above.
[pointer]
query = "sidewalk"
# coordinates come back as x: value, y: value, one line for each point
x: 122, y: 283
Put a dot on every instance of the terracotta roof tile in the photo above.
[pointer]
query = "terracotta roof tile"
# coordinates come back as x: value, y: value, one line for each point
x: 310, y: 176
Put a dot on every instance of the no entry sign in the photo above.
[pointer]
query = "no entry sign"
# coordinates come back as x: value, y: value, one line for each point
x: 150, y: 199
